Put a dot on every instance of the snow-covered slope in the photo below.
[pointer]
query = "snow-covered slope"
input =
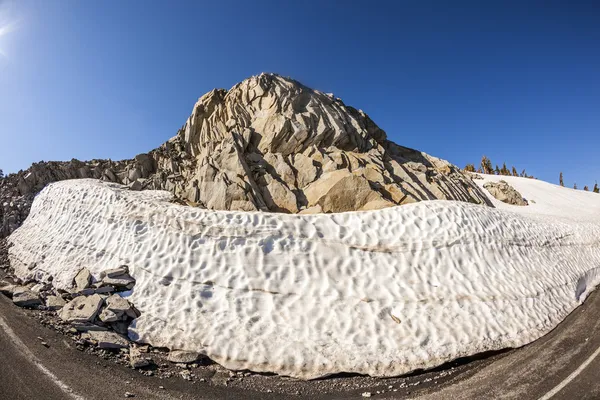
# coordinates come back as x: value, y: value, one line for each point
x: 378, y: 292
x: 546, y: 199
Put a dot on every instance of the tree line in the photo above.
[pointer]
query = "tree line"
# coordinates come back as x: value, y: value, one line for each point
x: 486, y: 167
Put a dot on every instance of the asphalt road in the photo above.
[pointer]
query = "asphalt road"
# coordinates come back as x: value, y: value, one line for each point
x: 565, y: 364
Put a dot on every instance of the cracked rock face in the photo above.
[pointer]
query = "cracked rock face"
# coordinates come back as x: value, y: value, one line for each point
x: 271, y: 144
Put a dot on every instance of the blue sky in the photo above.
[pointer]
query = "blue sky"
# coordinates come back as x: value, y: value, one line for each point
x: 518, y: 81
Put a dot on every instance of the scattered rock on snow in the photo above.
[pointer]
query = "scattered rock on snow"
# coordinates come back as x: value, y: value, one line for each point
x: 82, y: 280
x: 120, y: 306
x: 117, y: 277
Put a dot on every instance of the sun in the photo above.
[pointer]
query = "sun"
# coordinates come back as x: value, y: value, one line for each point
x: 6, y: 28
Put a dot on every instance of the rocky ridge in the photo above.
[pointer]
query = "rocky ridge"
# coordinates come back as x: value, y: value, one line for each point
x: 270, y: 144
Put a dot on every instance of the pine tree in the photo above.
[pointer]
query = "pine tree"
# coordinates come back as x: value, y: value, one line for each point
x: 470, y: 168
x: 504, y: 171
x: 596, y: 190
x: 575, y: 185
x: 486, y: 165
x: 523, y: 174
x: 586, y: 188
x: 514, y: 171
x: 479, y: 170
x: 562, y: 183
x: 497, y: 170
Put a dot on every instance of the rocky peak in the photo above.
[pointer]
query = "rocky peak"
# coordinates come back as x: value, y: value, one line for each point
x: 260, y: 145
x: 278, y: 115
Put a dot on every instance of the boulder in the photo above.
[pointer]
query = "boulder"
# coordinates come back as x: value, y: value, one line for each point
x: 119, y: 306
x: 183, y: 357
x: 505, y: 193
x: 331, y: 192
x: 26, y: 298
x: 82, y: 280
x: 279, y: 197
x: 136, y: 185
x: 55, y: 302
x: 117, y: 278
x: 306, y: 171
x: 81, y: 309
x: 108, y: 340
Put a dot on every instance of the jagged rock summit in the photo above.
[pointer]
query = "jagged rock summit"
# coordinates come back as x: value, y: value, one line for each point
x: 271, y: 144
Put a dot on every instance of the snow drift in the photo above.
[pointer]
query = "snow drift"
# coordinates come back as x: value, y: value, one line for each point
x: 378, y: 292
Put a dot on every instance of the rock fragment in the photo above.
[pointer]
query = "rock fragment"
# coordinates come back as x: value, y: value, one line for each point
x: 7, y: 288
x: 108, y: 340
x: 137, y: 358
x: 26, y: 298
x: 81, y: 309
x: 55, y: 302
x: 183, y: 357
x: 83, y: 279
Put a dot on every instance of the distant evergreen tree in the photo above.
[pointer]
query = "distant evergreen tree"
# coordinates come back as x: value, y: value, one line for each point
x: 504, y: 171
x: 596, y: 190
x: 562, y: 183
x: 497, y: 170
x: 523, y: 174
x: 514, y: 171
x: 586, y: 188
x: 470, y: 168
x: 486, y: 165
x: 575, y: 185
x: 479, y: 170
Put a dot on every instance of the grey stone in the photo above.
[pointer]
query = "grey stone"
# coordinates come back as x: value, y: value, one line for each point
x: 115, y: 272
x: 137, y: 359
x: 26, y: 298
x: 183, y: 356
x: 83, y: 279
x: 120, y: 282
x: 55, y: 302
x: 107, y: 315
x: 108, y: 340
x: 105, y: 289
x: 87, y: 327
x: 81, y: 309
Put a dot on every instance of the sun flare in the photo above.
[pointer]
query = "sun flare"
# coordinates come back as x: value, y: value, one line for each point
x: 7, y: 26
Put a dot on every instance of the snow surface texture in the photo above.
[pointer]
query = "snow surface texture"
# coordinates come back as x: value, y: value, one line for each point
x: 378, y: 292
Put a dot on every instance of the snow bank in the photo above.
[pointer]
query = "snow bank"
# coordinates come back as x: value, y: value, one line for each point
x: 380, y: 292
